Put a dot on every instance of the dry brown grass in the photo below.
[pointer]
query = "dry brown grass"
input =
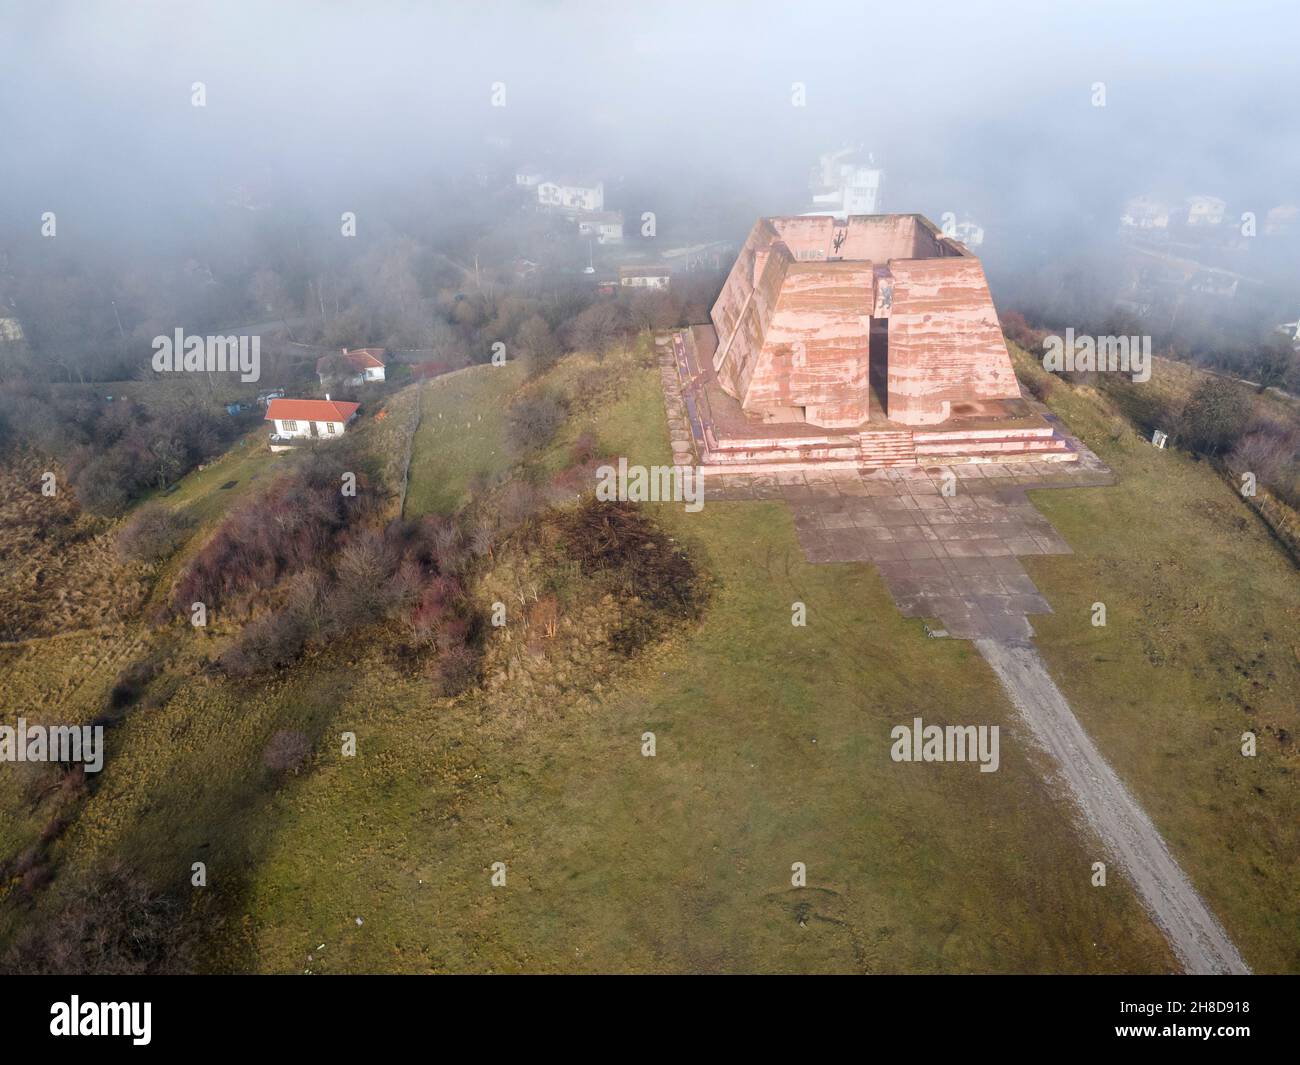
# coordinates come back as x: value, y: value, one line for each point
x: 58, y: 571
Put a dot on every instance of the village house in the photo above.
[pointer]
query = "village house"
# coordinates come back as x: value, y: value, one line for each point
x: 528, y: 177
x: 1145, y: 212
x: 846, y: 182
x: 367, y: 365
x: 644, y: 276
x: 606, y: 227
x: 1282, y: 221
x: 1204, y: 210
x: 969, y: 232
x: 307, y: 419
x: 1291, y: 330
x: 568, y: 194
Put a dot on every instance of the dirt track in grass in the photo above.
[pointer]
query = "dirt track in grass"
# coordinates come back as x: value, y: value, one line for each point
x: 1194, y: 933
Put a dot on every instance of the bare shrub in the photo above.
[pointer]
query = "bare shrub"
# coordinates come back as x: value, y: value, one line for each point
x: 287, y: 751
x: 113, y: 924
x: 363, y: 593
x: 519, y: 502
x: 456, y: 671
x: 275, y: 639
x: 1265, y: 451
x: 655, y: 578
x: 152, y: 533
x: 537, y: 345
x: 481, y: 537
x: 1016, y: 329
x: 308, y: 599
x: 596, y: 328
x: 449, y: 551
x: 533, y: 421
x: 1214, y: 417
x: 297, y: 525
x: 1040, y: 386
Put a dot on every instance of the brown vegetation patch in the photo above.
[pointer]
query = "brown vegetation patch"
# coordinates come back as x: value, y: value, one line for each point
x: 58, y: 568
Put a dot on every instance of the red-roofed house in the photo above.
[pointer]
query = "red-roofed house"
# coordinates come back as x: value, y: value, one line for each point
x: 367, y: 364
x: 306, y: 418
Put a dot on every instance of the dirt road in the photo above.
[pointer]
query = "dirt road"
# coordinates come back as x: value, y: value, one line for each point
x: 1127, y: 833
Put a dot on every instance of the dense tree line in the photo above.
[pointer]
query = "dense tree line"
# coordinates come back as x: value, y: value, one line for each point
x: 1218, y: 419
x: 1239, y: 339
x: 113, y: 449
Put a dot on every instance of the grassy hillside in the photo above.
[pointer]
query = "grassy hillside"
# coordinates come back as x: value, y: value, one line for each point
x: 772, y: 748
x: 461, y: 436
x: 1200, y: 645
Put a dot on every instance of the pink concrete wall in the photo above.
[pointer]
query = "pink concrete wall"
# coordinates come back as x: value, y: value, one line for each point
x: 814, y: 351
x: 794, y: 327
x: 945, y: 344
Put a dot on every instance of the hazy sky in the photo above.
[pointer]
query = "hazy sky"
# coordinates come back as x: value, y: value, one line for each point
x: 971, y: 107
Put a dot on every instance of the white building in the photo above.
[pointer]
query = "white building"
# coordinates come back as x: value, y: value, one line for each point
x: 1143, y: 212
x: 567, y: 195
x: 1204, y: 210
x: 605, y: 227
x: 969, y: 232
x: 1282, y: 221
x: 528, y: 177
x: 306, y: 419
x: 644, y: 276
x: 1292, y: 331
x: 845, y: 182
x: 367, y: 366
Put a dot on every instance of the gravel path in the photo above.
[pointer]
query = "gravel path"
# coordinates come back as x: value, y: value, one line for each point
x: 1127, y: 833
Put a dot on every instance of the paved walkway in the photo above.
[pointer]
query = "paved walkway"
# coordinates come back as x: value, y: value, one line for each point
x: 947, y: 541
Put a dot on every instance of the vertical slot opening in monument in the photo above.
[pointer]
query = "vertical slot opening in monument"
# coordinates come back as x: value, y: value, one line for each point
x: 878, y: 367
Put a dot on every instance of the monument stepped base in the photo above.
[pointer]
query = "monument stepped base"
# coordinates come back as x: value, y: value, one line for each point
x: 720, y: 438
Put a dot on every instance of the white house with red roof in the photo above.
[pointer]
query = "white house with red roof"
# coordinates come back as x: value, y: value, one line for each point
x: 367, y: 365
x: 306, y: 419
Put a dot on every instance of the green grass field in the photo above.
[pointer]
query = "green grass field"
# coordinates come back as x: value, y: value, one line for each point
x: 462, y: 436
x: 772, y: 748
x: 1200, y: 645
x: 249, y: 464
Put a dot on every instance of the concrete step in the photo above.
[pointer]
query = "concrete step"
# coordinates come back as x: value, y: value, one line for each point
x: 931, y: 436
x: 889, y: 450
x: 767, y: 454
x: 991, y: 447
